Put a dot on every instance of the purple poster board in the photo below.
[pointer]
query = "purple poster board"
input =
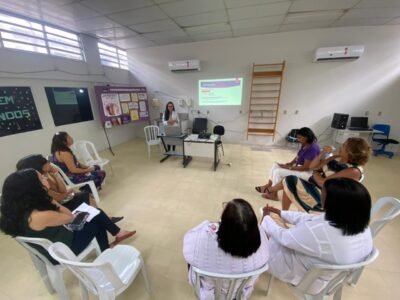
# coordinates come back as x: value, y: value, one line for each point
x: 120, y: 105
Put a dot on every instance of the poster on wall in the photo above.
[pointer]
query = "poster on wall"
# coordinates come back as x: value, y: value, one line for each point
x: 17, y: 111
x: 121, y: 105
x: 111, y: 104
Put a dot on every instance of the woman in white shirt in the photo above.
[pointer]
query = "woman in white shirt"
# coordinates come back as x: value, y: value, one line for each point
x: 170, y: 118
x: 233, y: 246
x: 340, y: 236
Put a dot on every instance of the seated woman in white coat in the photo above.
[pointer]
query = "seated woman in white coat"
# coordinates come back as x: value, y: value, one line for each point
x: 170, y: 118
x: 234, y: 245
x: 340, y: 236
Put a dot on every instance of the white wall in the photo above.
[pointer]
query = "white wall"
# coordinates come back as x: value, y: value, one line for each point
x: 316, y: 90
x: 14, y: 63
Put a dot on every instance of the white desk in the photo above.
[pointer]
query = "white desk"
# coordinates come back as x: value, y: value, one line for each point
x: 193, y: 146
x: 341, y: 135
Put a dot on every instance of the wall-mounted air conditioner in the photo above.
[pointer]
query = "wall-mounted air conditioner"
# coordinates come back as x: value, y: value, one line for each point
x: 339, y: 53
x: 184, y: 65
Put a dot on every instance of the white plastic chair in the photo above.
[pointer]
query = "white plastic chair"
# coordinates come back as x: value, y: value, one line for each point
x: 391, y: 211
x: 151, y: 133
x: 108, y: 275
x: 52, y: 275
x: 86, y: 152
x: 72, y: 185
x: 234, y: 283
x: 336, y: 275
x: 388, y: 208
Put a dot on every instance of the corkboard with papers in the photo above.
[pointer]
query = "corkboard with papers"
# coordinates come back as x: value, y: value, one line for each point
x: 122, y: 105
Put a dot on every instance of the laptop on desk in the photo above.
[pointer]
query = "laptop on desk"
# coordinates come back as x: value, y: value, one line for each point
x: 172, y: 131
x: 359, y: 124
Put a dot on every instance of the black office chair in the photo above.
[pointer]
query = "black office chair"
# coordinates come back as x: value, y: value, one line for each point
x: 199, y: 125
x: 382, y: 138
x: 292, y: 137
x: 220, y: 130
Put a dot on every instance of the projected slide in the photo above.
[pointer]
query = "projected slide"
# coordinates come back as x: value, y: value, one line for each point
x: 226, y: 91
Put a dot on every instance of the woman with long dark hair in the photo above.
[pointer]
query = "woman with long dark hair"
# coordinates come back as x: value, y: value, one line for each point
x: 299, y: 166
x: 340, y: 236
x: 57, y: 189
x: 63, y: 157
x: 170, y: 118
x: 234, y: 245
x: 27, y: 210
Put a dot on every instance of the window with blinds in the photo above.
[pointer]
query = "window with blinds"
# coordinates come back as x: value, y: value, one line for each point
x: 113, y: 56
x: 23, y: 34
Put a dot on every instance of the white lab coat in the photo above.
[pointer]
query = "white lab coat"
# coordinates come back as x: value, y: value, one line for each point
x: 311, y: 241
x: 174, y: 116
x: 200, y: 249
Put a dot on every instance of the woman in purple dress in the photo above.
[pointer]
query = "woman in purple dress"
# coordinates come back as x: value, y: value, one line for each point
x: 63, y: 157
x: 299, y: 166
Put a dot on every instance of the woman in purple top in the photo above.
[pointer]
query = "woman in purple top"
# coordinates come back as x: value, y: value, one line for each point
x: 299, y: 166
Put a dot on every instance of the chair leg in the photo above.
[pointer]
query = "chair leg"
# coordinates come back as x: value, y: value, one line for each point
x: 223, y: 152
x: 269, y: 288
x: 148, y: 152
x: 338, y: 293
x: 57, y: 280
x: 355, y: 277
x: 106, y: 296
x: 41, y: 268
x: 84, y: 291
x: 145, y: 278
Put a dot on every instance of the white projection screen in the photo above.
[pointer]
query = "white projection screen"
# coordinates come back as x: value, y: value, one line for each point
x: 223, y: 92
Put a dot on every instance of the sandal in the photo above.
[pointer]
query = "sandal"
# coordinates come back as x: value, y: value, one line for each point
x: 122, y: 238
x: 267, y: 195
x: 116, y: 219
x: 260, y: 189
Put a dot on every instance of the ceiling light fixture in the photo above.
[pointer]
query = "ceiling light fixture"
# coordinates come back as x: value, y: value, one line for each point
x: 319, y: 13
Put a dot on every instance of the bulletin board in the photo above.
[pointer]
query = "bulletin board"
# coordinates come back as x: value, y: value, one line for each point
x: 122, y: 105
x: 18, y: 111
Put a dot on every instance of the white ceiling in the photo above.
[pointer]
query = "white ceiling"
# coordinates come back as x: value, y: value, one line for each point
x: 145, y: 23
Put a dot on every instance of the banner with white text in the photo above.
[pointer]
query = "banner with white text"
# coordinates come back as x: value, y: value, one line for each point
x: 17, y: 111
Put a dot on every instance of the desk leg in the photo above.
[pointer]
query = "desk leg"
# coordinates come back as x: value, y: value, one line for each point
x: 165, y: 149
x: 186, y: 160
x: 216, y: 158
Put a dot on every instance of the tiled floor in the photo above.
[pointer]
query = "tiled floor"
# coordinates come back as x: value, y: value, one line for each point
x: 163, y: 201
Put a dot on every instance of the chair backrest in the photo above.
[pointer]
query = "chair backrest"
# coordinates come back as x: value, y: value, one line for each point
x: 151, y: 133
x: 384, y: 128
x: 292, y: 136
x: 219, y: 129
x: 199, y: 125
x: 63, y: 175
x: 293, y: 133
x: 388, y: 208
x: 85, y: 151
x: 234, y: 282
x: 27, y: 242
x: 95, y: 276
x: 335, y: 275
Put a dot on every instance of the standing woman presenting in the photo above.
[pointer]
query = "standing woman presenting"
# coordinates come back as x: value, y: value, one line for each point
x: 170, y: 118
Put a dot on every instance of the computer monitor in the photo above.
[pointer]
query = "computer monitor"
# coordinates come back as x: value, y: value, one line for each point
x: 199, y: 125
x: 358, y: 122
x: 339, y: 121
